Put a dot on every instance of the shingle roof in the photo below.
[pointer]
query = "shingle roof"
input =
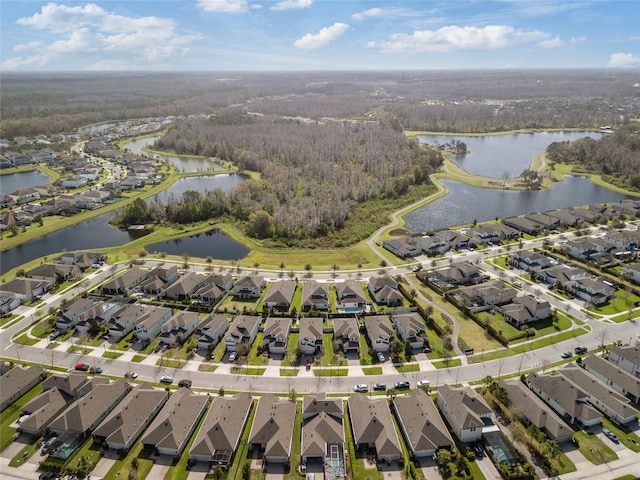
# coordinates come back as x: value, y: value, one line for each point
x: 372, y: 424
x: 466, y: 405
x: 273, y: 425
x: 17, y: 379
x: 310, y: 327
x: 43, y: 409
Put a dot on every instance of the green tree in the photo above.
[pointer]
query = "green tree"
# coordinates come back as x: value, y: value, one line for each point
x: 260, y: 224
x: 408, y: 351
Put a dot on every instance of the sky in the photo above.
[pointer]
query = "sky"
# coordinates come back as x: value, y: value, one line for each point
x: 286, y: 35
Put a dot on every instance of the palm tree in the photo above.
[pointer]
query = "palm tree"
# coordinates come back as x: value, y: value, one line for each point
x: 335, y: 267
x: 209, y: 262
x: 256, y: 265
x: 185, y: 257
x: 282, y: 268
x: 359, y: 269
x: 307, y: 267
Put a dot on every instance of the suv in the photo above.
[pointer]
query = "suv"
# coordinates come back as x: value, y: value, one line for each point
x: 166, y: 379
x: 361, y: 387
x: 401, y: 385
x: 422, y: 383
x: 185, y: 383
x: 380, y: 387
x: 55, y: 334
x: 580, y: 350
x: 612, y: 436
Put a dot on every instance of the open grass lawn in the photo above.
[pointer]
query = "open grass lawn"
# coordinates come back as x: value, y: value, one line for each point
x: 435, y: 342
x: 255, y: 359
x: 475, y: 336
x: 331, y: 372
x: 25, y: 453
x: 123, y: 466
x: 621, y: 302
x: 628, y: 315
x: 411, y: 367
x: 218, y: 352
x: 594, y: 449
x: 628, y: 438
x: 372, y: 370
x: 231, y: 303
x: 453, y: 362
x: 329, y: 357
x: 25, y: 340
x: 292, y: 345
x: 365, y: 356
x: 247, y: 370
x: 289, y: 372
x: 87, y: 454
x: 138, y: 358
x: 112, y: 355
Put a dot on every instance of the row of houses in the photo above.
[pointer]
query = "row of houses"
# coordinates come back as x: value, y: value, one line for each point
x: 510, y: 228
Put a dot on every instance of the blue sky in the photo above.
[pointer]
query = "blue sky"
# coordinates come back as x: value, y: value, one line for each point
x: 231, y: 35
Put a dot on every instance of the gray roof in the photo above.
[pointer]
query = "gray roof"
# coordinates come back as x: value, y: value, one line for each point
x: 350, y: 288
x: 423, y: 426
x: 322, y: 424
x: 18, y: 380
x: 412, y: 323
x: 377, y: 283
x: 310, y: 327
x: 615, y: 374
x: 222, y: 427
x: 346, y: 327
x: 273, y: 425
x: 372, y: 424
x: 128, y: 278
x: 281, y: 292
x: 242, y: 325
x: 172, y: 427
x: 379, y: 326
x: 311, y: 288
x: 629, y: 353
x: 212, y: 322
x: 277, y: 327
x: 75, y: 383
x: 185, y: 285
x: 43, y: 409
x: 466, y: 405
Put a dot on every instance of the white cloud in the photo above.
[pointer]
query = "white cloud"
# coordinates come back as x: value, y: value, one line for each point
x: 292, y: 5
x: 383, y: 13
x: 451, y: 38
x: 325, y: 36
x: 92, y: 30
x: 578, y: 39
x: 624, y: 60
x: 552, y: 43
x: 226, y: 6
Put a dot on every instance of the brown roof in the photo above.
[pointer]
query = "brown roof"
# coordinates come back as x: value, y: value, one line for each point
x: 372, y: 424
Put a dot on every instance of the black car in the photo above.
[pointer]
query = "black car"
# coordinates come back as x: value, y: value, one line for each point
x: 185, y: 383
x: 477, y: 449
x: 380, y: 387
x: 401, y: 385
x: 580, y: 350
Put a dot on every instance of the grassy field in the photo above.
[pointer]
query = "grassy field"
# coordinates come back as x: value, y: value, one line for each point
x: 593, y: 448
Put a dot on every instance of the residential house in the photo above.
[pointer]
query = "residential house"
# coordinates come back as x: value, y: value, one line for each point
x: 124, y: 425
x: 241, y: 333
x: 422, y: 426
x: 627, y: 358
x: 159, y: 277
x: 523, y: 224
x: 624, y: 239
x: 272, y: 429
x: 404, y: 247
x: 373, y: 428
x: 534, y: 411
x: 525, y: 309
x: 219, y: 436
x: 25, y: 195
x: 455, y: 240
x: 8, y: 302
x: 411, y: 328
x: 322, y: 428
x: 632, y: 272
x: 566, y: 217
x: 184, y: 286
x: 531, y: 261
x: 384, y: 290
x: 561, y: 275
x: 280, y: 295
x: 433, y: 245
x: 210, y: 330
x: 592, y: 290
x: 169, y: 433
x: 74, y: 384
x: 310, y: 335
x: 489, y: 233
x: 315, y: 295
x: 18, y: 381
x: 41, y: 410
x: 466, y: 412
x: 569, y: 401
x: 124, y: 283
x: 613, y: 376
x: 26, y: 289
x: 214, y: 287
x: 350, y: 296
x: 84, y: 415
x: 54, y: 272
x: 71, y: 314
x: 125, y: 319
x: 484, y: 296
x: 74, y: 181
x: 462, y: 273
x: 276, y: 332
x: 249, y: 286
x: 346, y: 333
x: 178, y: 328
x: 613, y: 404
x: 546, y: 221
x: 150, y: 324
x: 380, y: 332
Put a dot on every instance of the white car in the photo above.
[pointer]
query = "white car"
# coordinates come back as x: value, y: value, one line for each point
x: 232, y: 356
x: 361, y: 387
x: 422, y: 383
x: 166, y: 379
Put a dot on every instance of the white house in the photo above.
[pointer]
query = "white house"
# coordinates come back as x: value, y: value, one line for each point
x: 149, y: 326
x: 465, y: 410
x: 210, y: 330
x: 242, y: 331
x: 380, y: 332
x: 178, y: 327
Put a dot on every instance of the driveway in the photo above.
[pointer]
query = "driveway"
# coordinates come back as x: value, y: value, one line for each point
x: 161, y: 466
x: 390, y: 472
x: 275, y: 471
x: 104, y: 464
x: 429, y: 468
x: 487, y: 468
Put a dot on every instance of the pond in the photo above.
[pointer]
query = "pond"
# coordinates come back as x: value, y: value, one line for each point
x: 492, y: 155
x: 214, y: 244
x: 96, y: 128
x: 225, y: 181
x: 182, y: 164
x: 17, y: 181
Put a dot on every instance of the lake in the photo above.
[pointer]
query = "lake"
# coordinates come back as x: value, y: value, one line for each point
x: 225, y: 181
x: 183, y: 164
x: 214, y: 244
x: 492, y: 155
x: 17, y: 181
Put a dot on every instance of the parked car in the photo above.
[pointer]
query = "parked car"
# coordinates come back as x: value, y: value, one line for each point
x: 381, y: 356
x: 380, y: 387
x: 401, y: 385
x: 566, y: 355
x: 131, y: 375
x: 361, y: 387
x: 166, y: 379
x: 477, y: 449
x: 517, y: 284
x: 612, y: 436
x: 55, y: 334
x: 185, y: 383
x: 232, y: 356
x: 308, y: 364
x: 422, y: 383
x: 417, y: 268
x: 95, y: 369
x: 83, y: 367
x: 580, y: 350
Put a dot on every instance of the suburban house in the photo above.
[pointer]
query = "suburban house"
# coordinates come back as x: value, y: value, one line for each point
x: 546, y: 221
x: 384, y: 290
x: 484, y: 296
x: 561, y: 275
x: 178, y: 328
x: 158, y: 279
x: 169, y: 433
x: 249, y: 286
x: 280, y: 294
x: 54, y: 272
x: 632, y: 272
x: 124, y: 425
x: 322, y: 428
x: 8, y: 302
x: 627, y: 358
x: 466, y: 412
x: 124, y: 283
x: 18, y: 381
x: 72, y: 313
x: 422, y: 426
x: 150, y: 324
x: 84, y: 415
x: 531, y: 261
x: 242, y: 331
x: 124, y: 320
x: 310, y: 335
x: 315, y: 295
x: 569, y: 401
x: 523, y: 224
x: 613, y: 404
x: 272, y: 429
x: 75, y: 384
x: 380, y: 332
x: 210, y: 330
x: 492, y: 233
x: 214, y: 287
x: 462, y: 273
x: 592, y: 290
x: 411, y: 328
x: 219, y: 437
x: 535, y: 411
x: 525, y: 309
x: 276, y: 332
x: 566, y: 217
x: 346, y: 333
x: 404, y: 247
x: 82, y: 259
x: 350, y: 296
x: 373, y: 428
x: 37, y: 414
x: 613, y: 376
x: 433, y: 245
x: 26, y: 289
x: 184, y: 286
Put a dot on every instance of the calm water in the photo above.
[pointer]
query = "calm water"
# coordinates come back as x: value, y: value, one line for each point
x: 17, y: 181
x: 465, y: 203
x: 214, y: 244
x: 491, y: 156
x: 200, y: 184
x: 96, y: 128
x: 182, y: 164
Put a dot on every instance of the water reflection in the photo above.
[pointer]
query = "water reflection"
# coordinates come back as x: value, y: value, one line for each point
x: 182, y: 164
x: 17, y: 181
x: 214, y: 244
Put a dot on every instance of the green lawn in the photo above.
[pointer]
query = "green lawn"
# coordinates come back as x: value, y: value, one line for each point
x: 292, y: 345
x: 255, y: 359
x: 11, y: 414
x: 453, y: 362
x: 628, y: 438
x: 620, y: 303
x: 246, y: 370
x: 289, y: 372
x: 331, y: 372
x: 593, y: 448
x: 372, y: 370
x: 123, y: 466
x: 408, y: 368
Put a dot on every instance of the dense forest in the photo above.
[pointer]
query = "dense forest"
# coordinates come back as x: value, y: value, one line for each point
x: 313, y: 175
x: 616, y: 156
